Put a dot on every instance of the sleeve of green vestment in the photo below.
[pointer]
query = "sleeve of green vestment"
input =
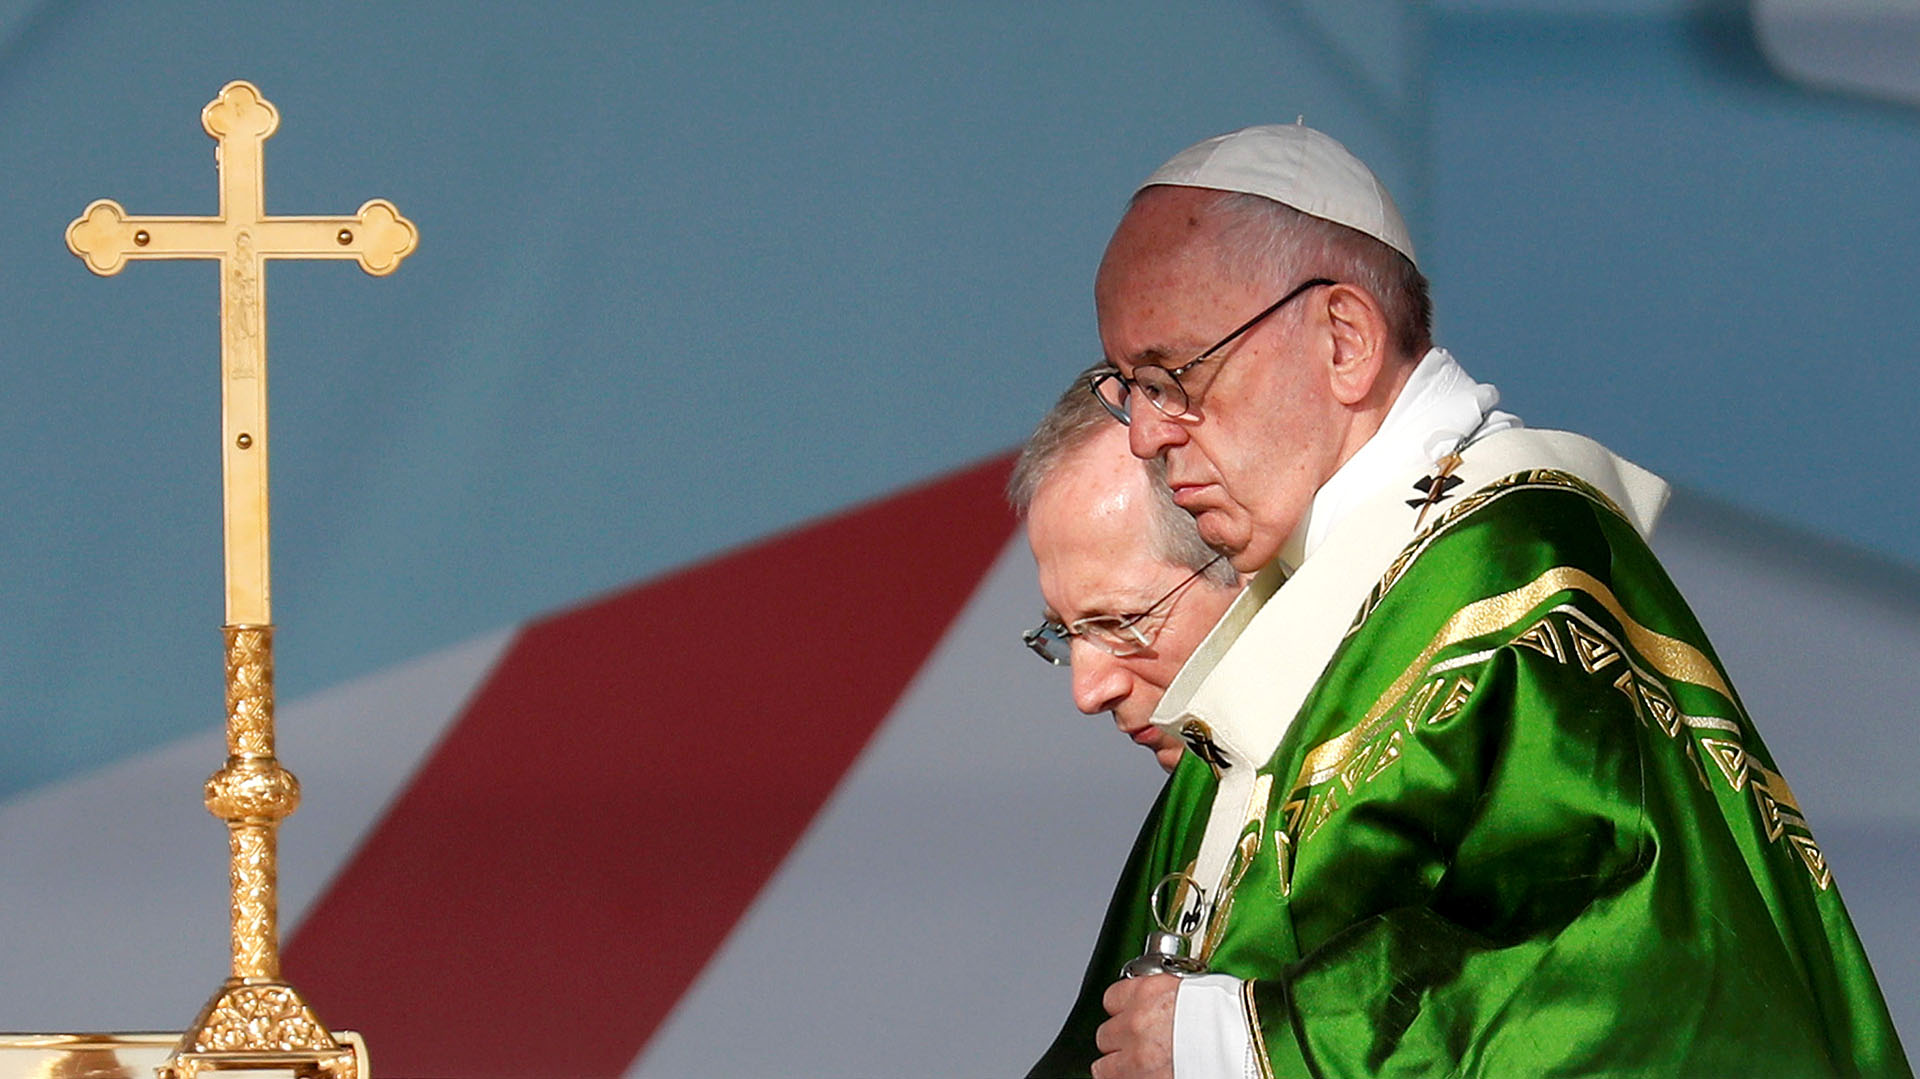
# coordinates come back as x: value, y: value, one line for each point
x: 1528, y: 892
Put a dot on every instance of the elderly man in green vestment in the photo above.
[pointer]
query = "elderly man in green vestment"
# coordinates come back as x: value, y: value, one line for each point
x: 1470, y: 793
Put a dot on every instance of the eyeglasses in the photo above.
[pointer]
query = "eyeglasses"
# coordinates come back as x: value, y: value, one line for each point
x: 1115, y: 634
x: 1162, y: 387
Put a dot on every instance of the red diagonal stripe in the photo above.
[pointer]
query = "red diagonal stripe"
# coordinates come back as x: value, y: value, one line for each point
x: 623, y: 786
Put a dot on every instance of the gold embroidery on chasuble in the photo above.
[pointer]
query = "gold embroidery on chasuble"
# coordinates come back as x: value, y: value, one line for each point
x: 1238, y: 865
x: 1815, y: 861
x: 1250, y: 1012
x: 1389, y: 753
x: 1543, y: 640
x: 1417, y: 704
x: 1566, y: 635
x: 1732, y: 759
x: 1595, y: 652
x: 1456, y: 700
x: 1283, y: 856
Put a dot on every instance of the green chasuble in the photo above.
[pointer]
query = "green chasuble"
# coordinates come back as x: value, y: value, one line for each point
x: 1519, y: 826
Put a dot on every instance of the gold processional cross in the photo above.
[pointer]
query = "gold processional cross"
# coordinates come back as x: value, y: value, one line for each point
x: 255, y: 1020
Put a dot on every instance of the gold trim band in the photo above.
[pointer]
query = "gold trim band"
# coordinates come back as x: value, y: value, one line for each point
x: 1673, y: 658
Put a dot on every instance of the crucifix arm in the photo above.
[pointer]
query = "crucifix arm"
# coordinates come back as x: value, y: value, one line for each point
x: 106, y: 238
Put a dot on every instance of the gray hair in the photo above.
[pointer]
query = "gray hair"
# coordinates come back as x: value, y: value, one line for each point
x: 1070, y: 425
x: 1268, y: 240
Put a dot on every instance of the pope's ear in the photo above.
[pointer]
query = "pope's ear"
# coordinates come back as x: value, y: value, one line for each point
x: 1361, y: 343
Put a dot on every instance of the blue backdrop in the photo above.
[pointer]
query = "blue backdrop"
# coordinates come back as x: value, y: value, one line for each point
x: 690, y: 273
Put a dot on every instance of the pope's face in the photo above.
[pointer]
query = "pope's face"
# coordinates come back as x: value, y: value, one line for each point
x: 1270, y: 430
x: 1090, y: 528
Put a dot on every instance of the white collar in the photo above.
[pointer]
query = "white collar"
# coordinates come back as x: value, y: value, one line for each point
x: 1439, y: 409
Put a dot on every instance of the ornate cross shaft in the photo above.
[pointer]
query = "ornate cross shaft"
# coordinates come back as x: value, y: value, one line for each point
x: 255, y: 1020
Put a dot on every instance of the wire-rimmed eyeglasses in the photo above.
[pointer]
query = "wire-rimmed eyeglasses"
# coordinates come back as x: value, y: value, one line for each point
x: 1161, y: 387
x: 1115, y: 634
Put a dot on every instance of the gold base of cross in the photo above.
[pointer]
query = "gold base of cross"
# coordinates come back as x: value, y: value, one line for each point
x: 252, y: 1025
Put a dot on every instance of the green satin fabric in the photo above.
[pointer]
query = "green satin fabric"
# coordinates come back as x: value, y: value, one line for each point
x: 1538, y: 837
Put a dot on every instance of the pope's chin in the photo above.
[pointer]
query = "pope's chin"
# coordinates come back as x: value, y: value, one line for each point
x: 1214, y: 527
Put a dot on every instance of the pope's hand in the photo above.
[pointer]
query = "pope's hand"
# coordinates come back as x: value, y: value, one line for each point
x: 1138, y: 1040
